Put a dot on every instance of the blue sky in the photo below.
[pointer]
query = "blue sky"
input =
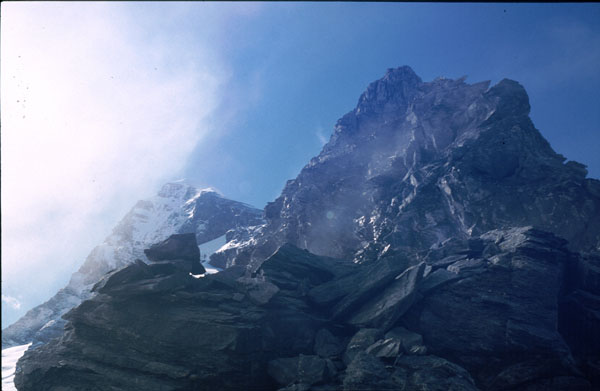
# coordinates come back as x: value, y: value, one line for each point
x: 312, y: 61
x: 104, y: 102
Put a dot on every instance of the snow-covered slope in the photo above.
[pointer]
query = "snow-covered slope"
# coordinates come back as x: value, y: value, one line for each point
x: 177, y: 208
x: 10, y: 357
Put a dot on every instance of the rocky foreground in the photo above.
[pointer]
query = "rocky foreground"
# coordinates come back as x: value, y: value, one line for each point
x: 177, y: 208
x: 485, y: 313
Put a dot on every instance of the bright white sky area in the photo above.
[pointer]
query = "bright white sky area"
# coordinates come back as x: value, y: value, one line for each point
x: 98, y: 111
x: 104, y: 102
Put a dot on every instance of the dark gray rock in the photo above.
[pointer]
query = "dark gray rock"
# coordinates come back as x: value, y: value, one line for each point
x: 385, y: 348
x: 360, y: 342
x: 406, y: 338
x: 293, y: 269
x: 354, y: 290
x: 506, y: 305
x: 396, y: 342
x: 386, y: 308
x: 327, y: 344
x: 433, y: 373
x: 436, y: 279
x: 179, y: 249
x: 366, y: 372
x: 153, y: 326
x: 306, y: 370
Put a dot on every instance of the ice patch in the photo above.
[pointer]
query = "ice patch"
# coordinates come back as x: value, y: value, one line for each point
x: 10, y: 357
x: 206, y: 250
x: 49, y: 324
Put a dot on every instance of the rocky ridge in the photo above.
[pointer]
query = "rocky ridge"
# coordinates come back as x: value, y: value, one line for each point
x: 474, y: 314
x: 416, y: 163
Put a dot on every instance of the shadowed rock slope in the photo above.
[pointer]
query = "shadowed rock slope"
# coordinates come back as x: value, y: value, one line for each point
x: 477, y: 314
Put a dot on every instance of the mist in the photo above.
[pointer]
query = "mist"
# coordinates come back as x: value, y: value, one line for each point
x: 98, y: 111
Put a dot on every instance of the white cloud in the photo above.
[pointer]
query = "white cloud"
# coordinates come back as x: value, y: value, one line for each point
x: 98, y: 110
x: 11, y: 301
x: 321, y: 136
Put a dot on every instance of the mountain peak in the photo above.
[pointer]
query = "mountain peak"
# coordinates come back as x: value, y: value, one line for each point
x: 182, y: 190
x: 175, y: 190
x: 402, y: 73
x: 512, y: 97
x: 393, y: 91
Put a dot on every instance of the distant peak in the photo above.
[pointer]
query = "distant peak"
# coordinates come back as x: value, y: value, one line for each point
x: 182, y: 190
x: 210, y: 190
x: 178, y: 189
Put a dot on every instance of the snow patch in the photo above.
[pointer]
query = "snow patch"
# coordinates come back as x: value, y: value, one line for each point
x: 207, y: 249
x: 10, y: 357
x: 48, y: 324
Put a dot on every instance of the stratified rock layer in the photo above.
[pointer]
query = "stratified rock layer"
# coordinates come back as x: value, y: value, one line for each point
x: 482, y: 314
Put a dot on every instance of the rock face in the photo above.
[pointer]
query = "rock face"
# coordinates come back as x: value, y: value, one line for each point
x: 487, y: 322
x: 416, y: 163
x: 181, y: 250
x: 436, y: 243
x: 177, y: 208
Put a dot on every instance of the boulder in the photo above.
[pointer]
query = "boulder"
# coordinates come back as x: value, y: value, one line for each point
x: 507, y: 304
x: 327, y: 344
x: 385, y: 308
x: 407, y: 339
x: 385, y: 348
x: 433, y: 374
x: 353, y: 290
x: 360, y: 342
x: 180, y: 249
x: 367, y: 372
x: 302, y: 369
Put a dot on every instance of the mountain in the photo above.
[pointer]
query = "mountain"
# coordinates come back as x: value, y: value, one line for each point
x: 436, y: 242
x: 416, y: 163
x: 177, y: 208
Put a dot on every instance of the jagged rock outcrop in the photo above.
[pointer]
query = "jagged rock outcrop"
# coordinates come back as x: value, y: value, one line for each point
x: 180, y: 250
x: 132, y: 329
x: 177, y: 208
x: 483, y: 315
x: 416, y: 163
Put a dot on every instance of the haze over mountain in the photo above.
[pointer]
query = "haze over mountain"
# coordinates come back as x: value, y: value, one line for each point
x: 437, y: 241
x: 177, y: 208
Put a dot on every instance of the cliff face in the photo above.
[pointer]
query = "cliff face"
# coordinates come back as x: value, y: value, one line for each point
x: 437, y: 242
x: 473, y: 314
x: 177, y: 208
x: 416, y: 163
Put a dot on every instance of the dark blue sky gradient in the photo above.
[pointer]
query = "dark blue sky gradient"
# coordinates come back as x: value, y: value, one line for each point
x: 307, y: 64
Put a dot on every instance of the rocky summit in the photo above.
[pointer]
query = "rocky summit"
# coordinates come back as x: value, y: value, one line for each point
x: 436, y: 243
